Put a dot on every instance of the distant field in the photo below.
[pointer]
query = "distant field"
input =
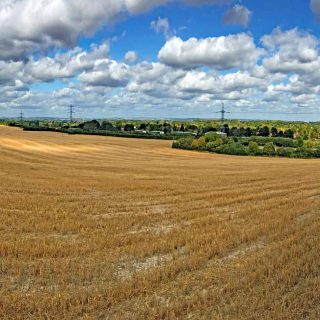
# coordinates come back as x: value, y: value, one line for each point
x: 111, y: 228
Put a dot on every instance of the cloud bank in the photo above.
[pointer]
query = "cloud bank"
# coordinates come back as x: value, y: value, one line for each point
x: 281, y: 68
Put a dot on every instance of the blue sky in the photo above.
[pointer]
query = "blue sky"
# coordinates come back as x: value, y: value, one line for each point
x: 204, y: 21
x: 160, y: 58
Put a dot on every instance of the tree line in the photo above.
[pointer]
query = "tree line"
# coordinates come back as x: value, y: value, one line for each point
x: 254, y: 146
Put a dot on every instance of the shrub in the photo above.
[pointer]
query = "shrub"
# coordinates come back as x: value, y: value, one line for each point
x: 254, y: 147
x: 285, y: 152
x: 279, y: 142
x: 311, y: 144
x: 230, y: 140
x: 183, y: 143
x: 269, y: 149
x: 175, y: 145
x: 211, y: 136
x: 286, y: 142
x: 307, y: 153
x: 317, y: 153
x: 195, y: 144
x: 211, y: 146
x: 233, y: 149
x: 202, y: 144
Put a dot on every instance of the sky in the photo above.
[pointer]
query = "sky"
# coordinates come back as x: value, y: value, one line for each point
x: 160, y: 58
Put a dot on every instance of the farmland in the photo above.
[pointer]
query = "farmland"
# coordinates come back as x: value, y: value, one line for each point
x: 111, y: 228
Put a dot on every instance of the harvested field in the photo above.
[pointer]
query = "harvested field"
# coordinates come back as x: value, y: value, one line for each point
x: 111, y: 228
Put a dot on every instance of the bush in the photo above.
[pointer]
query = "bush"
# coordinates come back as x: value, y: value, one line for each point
x: 211, y: 146
x: 230, y: 140
x: 211, y: 136
x: 202, y: 144
x: 233, y: 149
x: 286, y: 142
x: 195, y: 144
x: 214, y: 144
x: 183, y: 143
x: 311, y: 144
x: 317, y: 153
x: 279, y: 142
x: 307, y: 153
x: 285, y: 152
x: 269, y: 149
x: 253, y: 148
x: 176, y: 145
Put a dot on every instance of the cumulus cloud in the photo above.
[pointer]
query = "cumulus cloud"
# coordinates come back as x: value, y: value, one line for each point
x: 106, y: 73
x: 131, y: 56
x: 284, y: 70
x: 137, y: 6
x: 29, y: 26
x: 9, y: 71
x: 238, y: 15
x: 291, y: 51
x: 234, y: 82
x: 156, y: 79
x: 221, y: 53
x: 64, y: 65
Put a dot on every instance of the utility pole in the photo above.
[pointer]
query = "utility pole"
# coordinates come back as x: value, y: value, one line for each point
x: 223, y: 112
x: 71, y: 113
x: 21, y: 116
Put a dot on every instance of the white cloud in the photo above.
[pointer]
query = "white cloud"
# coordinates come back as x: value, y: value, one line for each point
x: 155, y: 79
x: 291, y: 51
x: 131, y: 56
x: 137, y: 6
x: 161, y: 25
x: 65, y: 65
x: 9, y: 71
x: 29, y: 26
x: 238, y: 15
x: 221, y: 53
x: 106, y: 73
x: 238, y: 82
x: 187, y: 75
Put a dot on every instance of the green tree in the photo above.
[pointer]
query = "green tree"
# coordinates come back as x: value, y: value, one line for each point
x: 288, y: 134
x: 254, y: 147
x: 129, y: 127
x: 142, y: 126
x: 264, y: 132
x: 269, y: 149
x: 274, y: 131
x: 211, y: 136
x: 212, y: 145
x: 202, y: 144
x: 106, y: 125
x: 195, y: 145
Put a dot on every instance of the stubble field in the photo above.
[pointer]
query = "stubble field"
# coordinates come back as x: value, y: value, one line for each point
x: 111, y: 228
